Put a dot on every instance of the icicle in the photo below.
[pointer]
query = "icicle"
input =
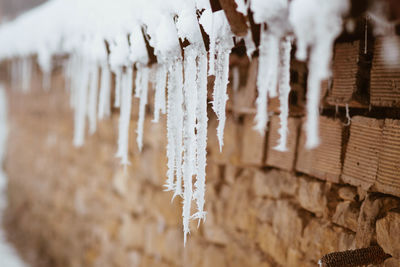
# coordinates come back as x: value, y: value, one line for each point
x: 223, y: 49
x: 174, y: 126
x: 266, y: 78
x: 336, y: 109
x: 236, y: 78
x: 80, y: 96
x: 125, y: 116
x: 201, y: 128
x: 211, y: 52
x: 159, y: 98
x: 284, y: 90
x: 26, y: 74
x: 138, y: 82
x: 92, y: 103
x: 118, y: 87
x: 143, y: 88
x: 189, y: 134
x: 105, y: 92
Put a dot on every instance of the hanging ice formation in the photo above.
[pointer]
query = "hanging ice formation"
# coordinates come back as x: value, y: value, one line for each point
x: 221, y: 44
x: 274, y: 13
x: 325, y: 18
x: 129, y: 31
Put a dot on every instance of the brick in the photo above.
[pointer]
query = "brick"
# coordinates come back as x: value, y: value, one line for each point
x: 253, y: 146
x: 283, y: 160
x: 385, y: 78
x: 323, y: 162
x: 345, y: 69
x: 388, y: 180
x: 361, y: 159
x: 388, y: 232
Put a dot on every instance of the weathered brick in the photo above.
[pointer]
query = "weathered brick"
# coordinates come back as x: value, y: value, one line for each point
x: 283, y: 160
x: 323, y: 162
x: 345, y: 71
x: 253, y: 146
x: 385, y: 78
x: 388, y: 180
x: 362, y: 152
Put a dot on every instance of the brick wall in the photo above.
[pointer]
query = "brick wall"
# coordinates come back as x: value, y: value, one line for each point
x: 79, y: 207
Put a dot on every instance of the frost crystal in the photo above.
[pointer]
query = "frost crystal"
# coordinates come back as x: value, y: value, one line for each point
x: 201, y: 142
x: 223, y: 50
x: 189, y: 133
x: 174, y: 125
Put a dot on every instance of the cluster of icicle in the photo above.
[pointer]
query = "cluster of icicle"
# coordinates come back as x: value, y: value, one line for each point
x: 314, y: 24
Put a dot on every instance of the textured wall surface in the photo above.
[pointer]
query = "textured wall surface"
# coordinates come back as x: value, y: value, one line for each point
x: 78, y: 207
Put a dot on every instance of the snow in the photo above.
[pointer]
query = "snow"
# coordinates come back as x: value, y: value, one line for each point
x: 180, y: 82
x: 8, y: 255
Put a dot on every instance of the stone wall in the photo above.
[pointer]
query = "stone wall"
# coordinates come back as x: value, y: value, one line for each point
x: 78, y: 207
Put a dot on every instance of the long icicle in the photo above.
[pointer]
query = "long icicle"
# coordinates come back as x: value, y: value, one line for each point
x: 118, y: 87
x: 201, y: 128
x: 144, y: 85
x: 266, y: 78
x: 92, y: 102
x: 125, y: 116
x: 105, y: 92
x: 189, y: 134
x: 223, y: 49
x: 80, y: 95
x: 284, y: 90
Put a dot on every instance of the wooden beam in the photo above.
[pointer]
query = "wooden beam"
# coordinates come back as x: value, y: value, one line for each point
x: 237, y: 20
